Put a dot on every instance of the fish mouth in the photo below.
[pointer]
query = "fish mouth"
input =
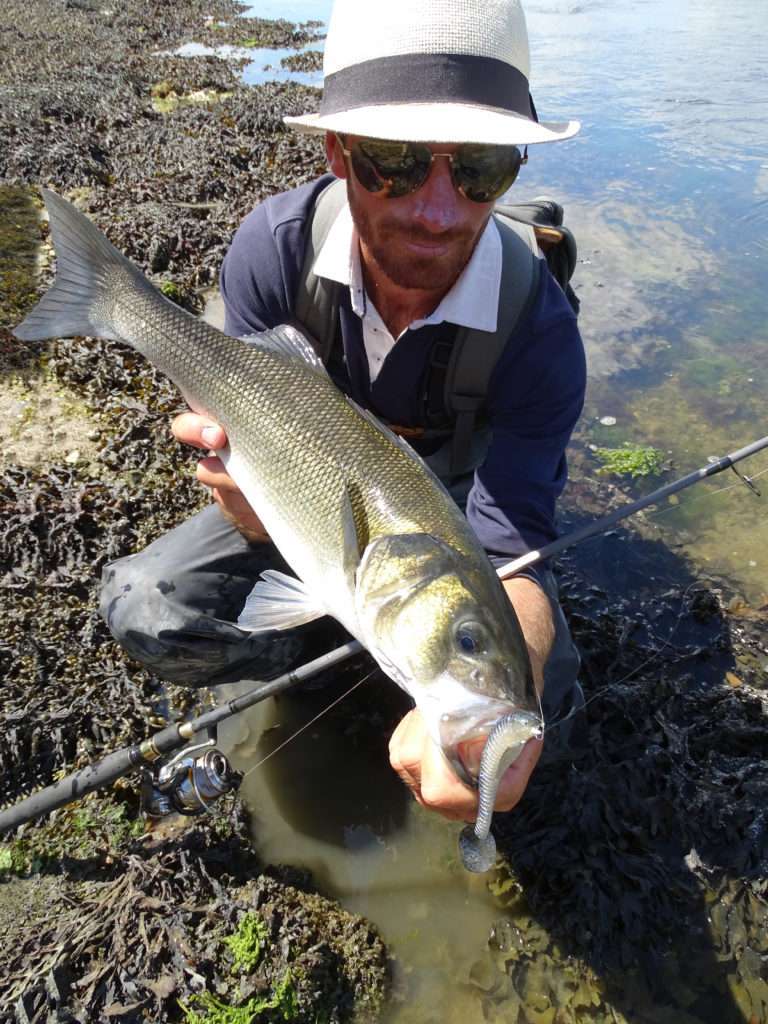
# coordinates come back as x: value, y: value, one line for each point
x: 460, y: 729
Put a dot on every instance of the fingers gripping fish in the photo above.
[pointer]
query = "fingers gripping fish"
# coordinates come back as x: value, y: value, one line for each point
x: 372, y: 535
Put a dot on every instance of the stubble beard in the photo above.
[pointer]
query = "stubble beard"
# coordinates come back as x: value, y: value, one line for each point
x: 407, y: 270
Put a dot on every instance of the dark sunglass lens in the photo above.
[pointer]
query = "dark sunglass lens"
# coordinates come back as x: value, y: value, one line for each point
x: 484, y: 173
x: 395, y: 167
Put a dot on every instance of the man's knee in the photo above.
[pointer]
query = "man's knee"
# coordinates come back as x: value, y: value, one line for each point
x: 139, y: 612
x: 184, y: 642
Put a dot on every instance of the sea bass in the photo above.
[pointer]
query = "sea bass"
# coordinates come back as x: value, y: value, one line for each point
x: 373, y: 537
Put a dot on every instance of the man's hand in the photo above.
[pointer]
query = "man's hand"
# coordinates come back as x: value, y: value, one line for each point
x: 424, y: 769
x: 201, y: 432
x: 422, y: 766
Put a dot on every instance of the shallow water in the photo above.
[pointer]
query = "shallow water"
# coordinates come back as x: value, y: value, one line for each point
x: 666, y: 188
x: 263, y: 62
x: 329, y: 802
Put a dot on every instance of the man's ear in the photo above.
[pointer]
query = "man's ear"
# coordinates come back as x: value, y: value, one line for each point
x: 336, y: 163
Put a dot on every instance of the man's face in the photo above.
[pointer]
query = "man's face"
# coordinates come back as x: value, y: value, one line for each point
x: 422, y: 240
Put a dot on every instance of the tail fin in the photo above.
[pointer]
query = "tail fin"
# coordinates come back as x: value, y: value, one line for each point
x: 79, y: 300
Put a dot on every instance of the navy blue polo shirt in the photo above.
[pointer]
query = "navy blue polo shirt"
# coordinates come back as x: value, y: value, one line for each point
x: 536, y: 390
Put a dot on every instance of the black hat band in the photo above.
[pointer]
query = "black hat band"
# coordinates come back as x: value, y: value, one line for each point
x: 428, y: 78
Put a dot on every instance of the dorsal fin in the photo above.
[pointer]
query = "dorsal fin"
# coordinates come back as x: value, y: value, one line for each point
x: 288, y: 341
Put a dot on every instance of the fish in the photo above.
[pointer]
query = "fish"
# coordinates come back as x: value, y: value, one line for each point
x: 372, y: 535
x: 477, y: 847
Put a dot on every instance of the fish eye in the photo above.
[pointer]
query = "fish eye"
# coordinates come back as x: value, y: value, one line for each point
x: 470, y: 638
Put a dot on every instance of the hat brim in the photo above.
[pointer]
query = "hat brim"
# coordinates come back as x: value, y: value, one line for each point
x: 436, y: 122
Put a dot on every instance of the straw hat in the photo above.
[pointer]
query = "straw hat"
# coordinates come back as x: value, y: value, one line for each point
x: 429, y: 71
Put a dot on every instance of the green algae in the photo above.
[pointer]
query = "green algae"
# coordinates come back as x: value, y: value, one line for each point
x: 19, y: 239
x: 97, y: 830
x: 631, y: 460
x: 172, y: 291
x: 247, y: 943
x: 711, y: 371
x: 281, y: 1005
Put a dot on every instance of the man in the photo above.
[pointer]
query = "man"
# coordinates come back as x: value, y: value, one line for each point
x: 424, y: 115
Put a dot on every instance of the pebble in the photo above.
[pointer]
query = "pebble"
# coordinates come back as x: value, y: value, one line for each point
x: 607, y: 421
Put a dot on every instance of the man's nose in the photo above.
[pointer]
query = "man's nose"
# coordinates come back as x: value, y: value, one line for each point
x: 436, y: 203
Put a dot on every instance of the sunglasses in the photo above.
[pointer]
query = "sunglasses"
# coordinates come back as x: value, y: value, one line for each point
x: 393, y: 169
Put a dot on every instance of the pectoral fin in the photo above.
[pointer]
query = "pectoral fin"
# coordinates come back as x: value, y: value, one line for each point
x: 279, y: 601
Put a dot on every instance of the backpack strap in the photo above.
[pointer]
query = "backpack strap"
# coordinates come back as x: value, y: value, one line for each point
x: 474, y: 353
x: 316, y: 302
x: 555, y: 240
x: 460, y: 369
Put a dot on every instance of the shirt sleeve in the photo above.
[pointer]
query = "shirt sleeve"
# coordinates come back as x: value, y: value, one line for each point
x: 536, y: 397
x: 260, y: 272
x: 252, y: 285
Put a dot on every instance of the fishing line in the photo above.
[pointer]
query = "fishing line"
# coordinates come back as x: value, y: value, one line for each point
x: 648, y: 661
x: 152, y: 749
x: 558, y: 722
x: 701, y: 497
x: 652, y: 515
x: 310, y: 722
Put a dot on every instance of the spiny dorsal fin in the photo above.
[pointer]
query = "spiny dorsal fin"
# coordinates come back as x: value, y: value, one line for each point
x: 396, y: 439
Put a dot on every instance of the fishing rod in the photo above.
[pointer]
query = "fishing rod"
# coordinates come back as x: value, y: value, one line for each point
x: 198, y: 775
x: 600, y: 525
x: 187, y: 784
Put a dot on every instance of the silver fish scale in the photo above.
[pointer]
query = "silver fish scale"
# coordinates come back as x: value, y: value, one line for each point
x: 302, y: 439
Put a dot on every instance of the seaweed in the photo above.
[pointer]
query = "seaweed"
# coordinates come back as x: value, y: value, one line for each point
x: 608, y: 861
x: 143, y: 932
x: 631, y: 460
x: 633, y: 877
x: 102, y: 920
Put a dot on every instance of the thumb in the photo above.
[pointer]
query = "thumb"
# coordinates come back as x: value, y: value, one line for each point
x: 191, y: 428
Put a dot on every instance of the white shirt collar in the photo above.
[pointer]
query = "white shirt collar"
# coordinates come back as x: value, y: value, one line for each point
x: 473, y: 300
